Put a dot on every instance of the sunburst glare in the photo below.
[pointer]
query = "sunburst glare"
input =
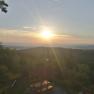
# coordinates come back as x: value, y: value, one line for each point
x: 46, y: 33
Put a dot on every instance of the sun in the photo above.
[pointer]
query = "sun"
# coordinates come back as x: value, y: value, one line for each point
x: 45, y: 33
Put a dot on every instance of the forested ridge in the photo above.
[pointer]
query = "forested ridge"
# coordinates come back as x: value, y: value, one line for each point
x: 72, y: 69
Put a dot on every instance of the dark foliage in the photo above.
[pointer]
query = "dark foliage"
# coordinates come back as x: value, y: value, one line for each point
x: 3, y: 6
x: 71, y: 69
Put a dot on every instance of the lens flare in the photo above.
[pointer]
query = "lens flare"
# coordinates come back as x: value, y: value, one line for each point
x: 46, y: 34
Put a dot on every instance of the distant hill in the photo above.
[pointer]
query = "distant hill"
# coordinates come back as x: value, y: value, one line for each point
x: 78, y: 55
x: 20, y: 47
x: 48, y: 60
x: 80, y: 46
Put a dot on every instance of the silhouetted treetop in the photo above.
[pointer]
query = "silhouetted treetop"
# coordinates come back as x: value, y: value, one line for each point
x: 3, y: 6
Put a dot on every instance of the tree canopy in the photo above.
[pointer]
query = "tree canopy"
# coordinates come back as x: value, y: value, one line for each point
x: 3, y: 6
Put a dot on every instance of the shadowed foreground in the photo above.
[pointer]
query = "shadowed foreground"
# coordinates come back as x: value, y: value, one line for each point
x: 70, y: 69
x: 58, y: 90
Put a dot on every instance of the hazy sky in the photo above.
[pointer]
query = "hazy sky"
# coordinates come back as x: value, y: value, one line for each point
x: 74, y: 18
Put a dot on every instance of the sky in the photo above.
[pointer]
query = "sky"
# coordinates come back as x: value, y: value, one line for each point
x: 71, y: 20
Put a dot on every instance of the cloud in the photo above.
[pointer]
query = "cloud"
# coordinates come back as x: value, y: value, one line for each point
x: 28, y: 37
x: 26, y: 27
x: 15, y: 35
x: 29, y: 28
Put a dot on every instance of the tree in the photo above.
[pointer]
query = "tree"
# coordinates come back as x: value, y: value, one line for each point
x: 75, y: 77
x: 3, y: 6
